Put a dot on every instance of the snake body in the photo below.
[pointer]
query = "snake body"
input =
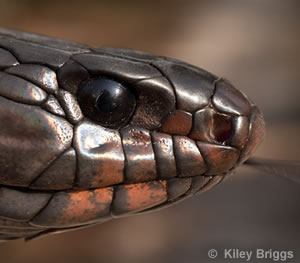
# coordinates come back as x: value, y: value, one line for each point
x: 69, y: 158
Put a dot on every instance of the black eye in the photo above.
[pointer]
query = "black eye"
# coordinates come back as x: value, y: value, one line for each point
x: 106, y: 102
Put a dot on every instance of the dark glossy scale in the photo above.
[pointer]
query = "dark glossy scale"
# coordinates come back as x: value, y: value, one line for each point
x: 150, y: 108
x: 52, y: 105
x: 39, y: 75
x: 255, y: 136
x: 178, y: 187
x: 69, y: 104
x: 20, y: 90
x: 219, y: 158
x: 118, y: 68
x: 47, y: 56
x: 186, y: 83
x: 140, y: 163
x: 20, y: 205
x: 100, y: 159
x: 199, y: 183
x: 188, y: 158
x: 25, y: 136
x: 7, y: 59
x: 240, y: 132
x: 164, y: 153
x: 88, y: 135
x: 60, y: 174
x: 177, y: 122
x: 227, y: 99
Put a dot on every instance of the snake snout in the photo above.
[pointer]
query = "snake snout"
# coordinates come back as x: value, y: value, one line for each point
x: 216, y: 137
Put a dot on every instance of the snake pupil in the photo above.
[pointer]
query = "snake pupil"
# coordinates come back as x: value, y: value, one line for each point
x: 106, y: 102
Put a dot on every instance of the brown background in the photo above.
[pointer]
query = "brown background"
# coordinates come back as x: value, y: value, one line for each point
x: 253, y: 43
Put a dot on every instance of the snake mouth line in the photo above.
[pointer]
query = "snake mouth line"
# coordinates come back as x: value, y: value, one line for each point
x: 191, y: 184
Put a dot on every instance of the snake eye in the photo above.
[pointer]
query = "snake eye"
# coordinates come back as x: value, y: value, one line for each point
x: 106, y: 102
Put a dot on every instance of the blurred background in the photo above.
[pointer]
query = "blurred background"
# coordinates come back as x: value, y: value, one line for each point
x: 253, y: 43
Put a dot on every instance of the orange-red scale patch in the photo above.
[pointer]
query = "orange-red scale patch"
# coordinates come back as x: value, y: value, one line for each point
x: 133, y: 198
x: 76, y: 208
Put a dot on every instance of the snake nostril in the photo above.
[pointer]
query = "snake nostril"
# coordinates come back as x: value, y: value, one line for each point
x: 211, y: 126
x: 222, y: 128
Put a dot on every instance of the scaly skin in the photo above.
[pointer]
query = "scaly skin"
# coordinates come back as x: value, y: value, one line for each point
x: 60, y: 169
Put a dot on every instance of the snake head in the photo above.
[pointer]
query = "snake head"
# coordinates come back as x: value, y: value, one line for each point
x: 91, y: 134
x: 193, y: 122
x: 155, y: 126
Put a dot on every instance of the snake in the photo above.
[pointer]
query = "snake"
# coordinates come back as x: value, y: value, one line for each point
x: 93, y: 134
